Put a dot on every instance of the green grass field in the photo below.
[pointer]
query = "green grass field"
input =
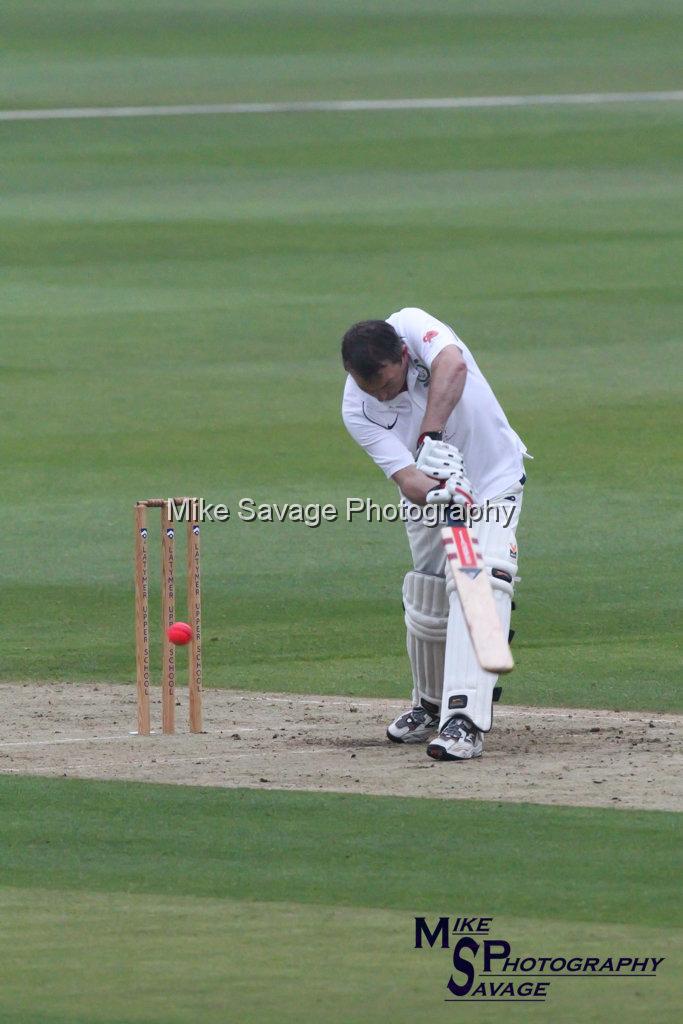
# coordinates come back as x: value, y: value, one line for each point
x: 168, y: 904
x: 173, y: 293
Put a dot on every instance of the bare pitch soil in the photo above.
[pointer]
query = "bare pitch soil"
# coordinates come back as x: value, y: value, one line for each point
x: 278, y: 741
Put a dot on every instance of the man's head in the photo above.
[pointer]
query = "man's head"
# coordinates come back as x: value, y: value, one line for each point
x: 376, y: 358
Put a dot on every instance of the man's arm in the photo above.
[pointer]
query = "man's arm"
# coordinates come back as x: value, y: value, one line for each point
x: 421, y: 489
x: 449, y: 373
x: 414, y: 484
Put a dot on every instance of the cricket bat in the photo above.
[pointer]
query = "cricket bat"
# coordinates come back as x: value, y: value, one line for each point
x: 476, y: 597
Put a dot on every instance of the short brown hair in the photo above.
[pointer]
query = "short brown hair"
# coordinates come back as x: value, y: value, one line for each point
x: 368, y: 345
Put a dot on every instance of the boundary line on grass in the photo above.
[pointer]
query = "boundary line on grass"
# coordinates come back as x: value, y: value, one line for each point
x: 317, y: 106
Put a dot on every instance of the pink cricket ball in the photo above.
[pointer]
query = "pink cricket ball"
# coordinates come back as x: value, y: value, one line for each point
x: 179, y: 633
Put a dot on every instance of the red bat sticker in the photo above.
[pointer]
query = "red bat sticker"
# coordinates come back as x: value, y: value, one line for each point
x: 463, y: 542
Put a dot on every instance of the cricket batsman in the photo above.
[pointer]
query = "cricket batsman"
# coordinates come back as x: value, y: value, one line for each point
x: 419, y: 405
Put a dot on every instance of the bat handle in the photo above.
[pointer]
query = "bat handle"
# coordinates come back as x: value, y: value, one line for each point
x: 456, y: 515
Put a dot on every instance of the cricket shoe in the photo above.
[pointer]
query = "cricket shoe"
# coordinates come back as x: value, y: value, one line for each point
x: 459, y: 740
x: 413, y: 726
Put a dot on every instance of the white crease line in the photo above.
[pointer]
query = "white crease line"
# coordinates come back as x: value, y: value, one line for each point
x: 587, y: 714
x: 314, y: 106
x: 132, y: 736
x: 123, y: 736
x: 509, y: 712
x: 315, y: 702
x: 382, y: 704
x: 300, y: 699
x: 156, y: 762
x: 72, y: 739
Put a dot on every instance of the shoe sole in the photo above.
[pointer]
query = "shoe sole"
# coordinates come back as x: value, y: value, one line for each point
x: 408, y: 738
x: 439, y: 754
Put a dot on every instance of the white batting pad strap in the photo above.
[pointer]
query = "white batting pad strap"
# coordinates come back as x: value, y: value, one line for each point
x: 507, y: 565
x: 504, y: 584
x: 499, y: 548
x: 467, y: 687
x: 426, y: 617
x: 496, y: 582
x: 497, y: 544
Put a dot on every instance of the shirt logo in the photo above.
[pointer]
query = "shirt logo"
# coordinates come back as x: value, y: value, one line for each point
x: 387, y: 426
x: 429, y: 336
x: 423, y: 374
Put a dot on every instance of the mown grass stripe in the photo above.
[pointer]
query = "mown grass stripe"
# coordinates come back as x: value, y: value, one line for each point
x: 325, y: 106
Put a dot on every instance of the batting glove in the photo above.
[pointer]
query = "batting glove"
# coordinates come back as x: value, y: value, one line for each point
x: 439, y: 459
x: 457, y: 490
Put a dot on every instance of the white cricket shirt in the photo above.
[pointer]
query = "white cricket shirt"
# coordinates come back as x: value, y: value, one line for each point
x: 388, y: 431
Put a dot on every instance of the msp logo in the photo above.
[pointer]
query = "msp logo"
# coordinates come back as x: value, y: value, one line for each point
x: 429, y: 336
x: 423, y: 374
x: 486, y: 969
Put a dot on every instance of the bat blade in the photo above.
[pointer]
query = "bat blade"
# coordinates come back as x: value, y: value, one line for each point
x: 468, y: 570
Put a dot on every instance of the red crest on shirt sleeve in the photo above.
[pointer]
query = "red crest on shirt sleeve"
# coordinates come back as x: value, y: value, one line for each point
x: 429, y: 336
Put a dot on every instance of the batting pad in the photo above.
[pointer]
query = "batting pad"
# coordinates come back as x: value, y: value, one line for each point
x: 468, y: 688
x: 426, y: 616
